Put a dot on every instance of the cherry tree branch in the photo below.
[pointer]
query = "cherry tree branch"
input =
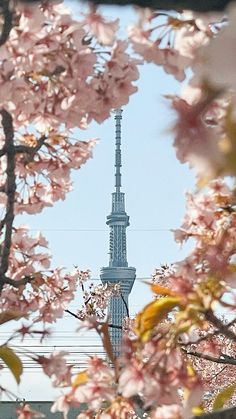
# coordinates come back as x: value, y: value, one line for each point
x: 207, y: 335
x: 10, y: 190
x: 115, y: 326
x: 125, y: 304
x: 30, y: 150
x: 73, y: 314
x: 16, y: 283
x: 223, y: 328
x: 198, y: 5
x: 7, y: 20
x: 79, y: 318
x: 10, y: 150
x: 223, y: 359
x: 23, y: 149
x: 217, y: 374
x: 179, y: 5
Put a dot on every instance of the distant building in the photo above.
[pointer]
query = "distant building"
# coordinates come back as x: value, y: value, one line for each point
x: 8, y: 410
x: 118, y: 270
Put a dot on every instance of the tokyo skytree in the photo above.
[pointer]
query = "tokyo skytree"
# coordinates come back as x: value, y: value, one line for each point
x: 118, y: 271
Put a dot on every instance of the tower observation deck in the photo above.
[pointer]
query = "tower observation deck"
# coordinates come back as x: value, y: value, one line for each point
x: 118, y: 270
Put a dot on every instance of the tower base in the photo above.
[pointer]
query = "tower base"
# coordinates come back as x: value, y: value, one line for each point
x: 118, y: 306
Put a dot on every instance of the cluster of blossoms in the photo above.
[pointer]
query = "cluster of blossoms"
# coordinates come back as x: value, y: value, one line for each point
x: 57, y: 74
x: 52, y: 72
x: 57, y: 368
x: 205, y: 282
x: 94, y: 386
x: 205, y: 125
x: 171, y: 40
x: 210, y: 220
x: 145, y: 372
x: 55, y: 77
x: 213, y: 345
x: 96, y: 300
x: 46, y: 293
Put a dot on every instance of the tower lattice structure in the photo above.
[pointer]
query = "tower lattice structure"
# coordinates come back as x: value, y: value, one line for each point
x: 118, y: 271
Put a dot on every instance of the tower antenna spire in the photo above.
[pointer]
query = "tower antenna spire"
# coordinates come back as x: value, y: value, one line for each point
x: 118, y: 165
x: 118, y: 271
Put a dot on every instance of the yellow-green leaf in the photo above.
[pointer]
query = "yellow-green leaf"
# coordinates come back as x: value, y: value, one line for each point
x: 159, y: 289
x: 12, y: 361
x: 80, y: 378
x: 224, y: 396
x: 153, y: 313
x: 6, y: 316
x: 198, y: 410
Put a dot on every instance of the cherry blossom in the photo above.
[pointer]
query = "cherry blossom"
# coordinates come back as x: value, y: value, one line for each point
x: 26, y: 412
x: 43, y: 288
x: 59, y: 74
x: 171, y: 41
x: 95, y: 387
x: 34, y: 87
x: 211, y: 64
x: 62, y: 404
x: 103, y: 30
x: 56, y: 367
x: 96, y: 300
x: 167, y: 412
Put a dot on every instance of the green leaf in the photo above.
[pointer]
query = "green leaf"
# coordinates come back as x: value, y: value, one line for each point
x: 12, y: 361
x: 224, y: 396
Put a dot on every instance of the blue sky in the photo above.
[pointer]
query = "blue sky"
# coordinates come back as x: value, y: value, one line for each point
x: 153, y: 180
x: 154, y: 183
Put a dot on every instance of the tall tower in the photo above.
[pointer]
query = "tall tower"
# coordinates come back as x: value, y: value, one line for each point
x: 118, y: 270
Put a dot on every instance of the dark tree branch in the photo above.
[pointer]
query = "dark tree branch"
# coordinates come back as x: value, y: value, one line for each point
x: 3, y: 151
x: 23, y: 149
x: 229, y: 413
x: 125, y: 304
x: 223, y: 328
x: 10, y: 150
x: 2, y: 223
x: 114, y: 326
x: 179, y: 5
x: 7, y: 124
x: 7, y: 20
x: 31, y: 151
x: 79, y: 318
x: 16, y: 283
x: 223, y: 359
x: 208, y: 335
x: 73, y: 314
x: 217, y: 374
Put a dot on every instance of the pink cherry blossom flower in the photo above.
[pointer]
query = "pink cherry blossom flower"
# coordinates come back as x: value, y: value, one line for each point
x: 62, y: 404
x: 132, y: 380
x: 56, y: 367
x: 215, y: 62
x: 104, y: 31
x: 167, y: 412
x: 25, y: 412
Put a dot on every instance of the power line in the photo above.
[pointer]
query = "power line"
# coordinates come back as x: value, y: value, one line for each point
x: 145, y: 278
x: 92, y: 230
